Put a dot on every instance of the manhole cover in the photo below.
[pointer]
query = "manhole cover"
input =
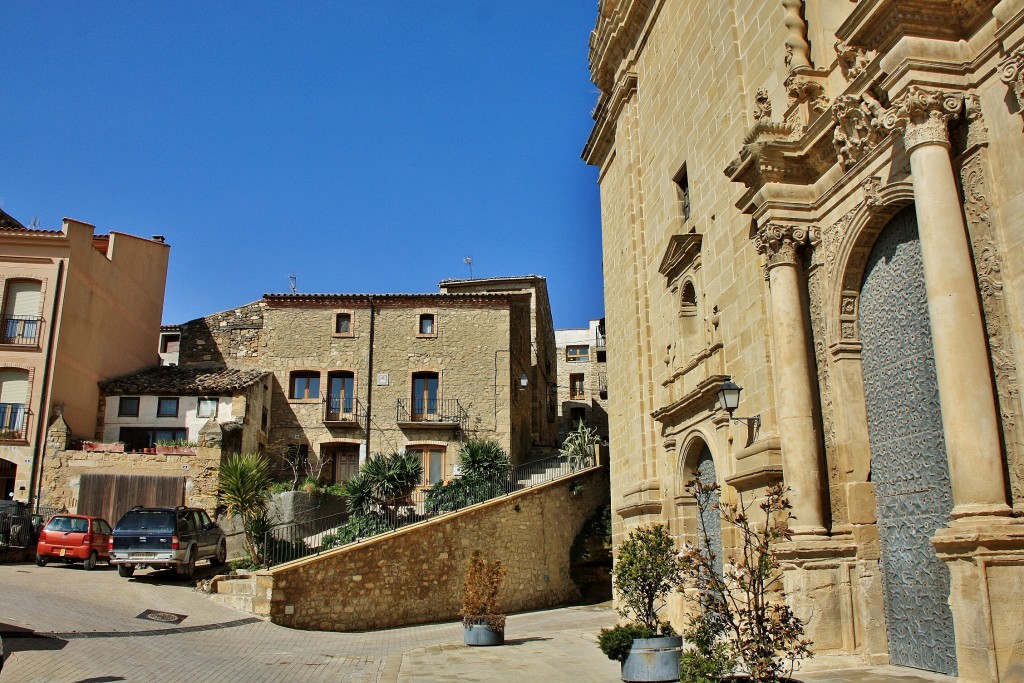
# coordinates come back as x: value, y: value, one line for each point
x: 163, y: 617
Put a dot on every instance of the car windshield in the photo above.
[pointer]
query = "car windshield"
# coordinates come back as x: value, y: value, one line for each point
x: 76, y: 525
x: 159, y: 521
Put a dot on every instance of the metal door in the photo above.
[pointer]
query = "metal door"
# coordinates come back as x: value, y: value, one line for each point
x: 908, y: 453
x: 710, y: 525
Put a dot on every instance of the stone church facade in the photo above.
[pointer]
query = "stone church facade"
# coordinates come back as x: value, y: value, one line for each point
x: 820, y: 199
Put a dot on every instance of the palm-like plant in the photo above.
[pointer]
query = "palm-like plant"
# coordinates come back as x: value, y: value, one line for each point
x: 244, y: 486
x: 384, y: 481
x: 484, y: 459
x: 580, y: 444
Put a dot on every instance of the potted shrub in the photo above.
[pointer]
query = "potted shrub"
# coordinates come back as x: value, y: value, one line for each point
x: 481, y: 621
x: 741, y: 620
x: 647, y: 570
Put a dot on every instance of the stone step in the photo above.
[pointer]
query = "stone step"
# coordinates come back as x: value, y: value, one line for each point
x: 237, y: 587
x: 239, y: 602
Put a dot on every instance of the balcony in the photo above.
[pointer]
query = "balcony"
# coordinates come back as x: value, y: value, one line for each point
x: 20, y: 330
x: 343, y: 412
x: 430, y: 413
x: 13, y: 422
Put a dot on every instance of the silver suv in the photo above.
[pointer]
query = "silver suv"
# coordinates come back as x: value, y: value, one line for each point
x: 164, y: 538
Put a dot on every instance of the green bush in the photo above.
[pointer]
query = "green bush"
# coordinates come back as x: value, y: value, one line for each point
x: 455, y: 494
x: 616, y: 642
x: 358, y: 526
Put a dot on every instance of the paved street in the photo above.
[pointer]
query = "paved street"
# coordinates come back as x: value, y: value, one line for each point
x: 62, y: 624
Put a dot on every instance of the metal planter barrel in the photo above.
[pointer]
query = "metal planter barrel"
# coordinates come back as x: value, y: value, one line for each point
x: 653, y: 659
x: 482, y: 634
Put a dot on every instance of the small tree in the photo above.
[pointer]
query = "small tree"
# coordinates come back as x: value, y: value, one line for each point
x: 647, y: 570
x: 485, y: 475
x: 383, y: 483
x: 742, y: 616
x: 480, y: 599
x: 244, y: 487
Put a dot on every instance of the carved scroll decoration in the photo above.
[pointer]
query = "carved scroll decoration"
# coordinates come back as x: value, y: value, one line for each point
x: 1011, y: 72
x: 923, y: 115
x: 988, y: 264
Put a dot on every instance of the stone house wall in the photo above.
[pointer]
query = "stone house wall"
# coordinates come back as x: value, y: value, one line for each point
x: 417, y: 574
x: 230, y: 337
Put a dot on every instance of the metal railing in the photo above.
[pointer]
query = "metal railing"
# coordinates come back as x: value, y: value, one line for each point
x: 294, y: 540
x: 13, y: 421
x: 448, y: 410
x: 20, y: 330
x: 343, y: 409
x: 20, y: 526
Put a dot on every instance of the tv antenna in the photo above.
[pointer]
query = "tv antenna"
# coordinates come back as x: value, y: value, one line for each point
x: 469, y: 262
x: 293, y: 283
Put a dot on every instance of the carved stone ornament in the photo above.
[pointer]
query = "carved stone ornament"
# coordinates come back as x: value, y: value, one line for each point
x: 858, y: 127
x: 779, y: 242
x: 977, y: 131
x: 923, y: 116
x: 1011, y: 72
x: 806, y: 90
x: 762, y: 105
x: 853, y: 60
x: 872, y: 190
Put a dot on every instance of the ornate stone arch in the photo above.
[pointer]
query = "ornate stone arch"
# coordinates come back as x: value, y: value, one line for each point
x: 689, y: 453
x: 851, y: 244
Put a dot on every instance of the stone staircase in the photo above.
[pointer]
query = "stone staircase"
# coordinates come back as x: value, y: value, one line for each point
x: 243, y: 592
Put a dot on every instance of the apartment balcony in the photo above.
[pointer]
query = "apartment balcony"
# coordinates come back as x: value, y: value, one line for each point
x: 447, y: 413
x: 600, y: 342
x: 343, y: 412
x: 21, y: 330
x: 13, y: 422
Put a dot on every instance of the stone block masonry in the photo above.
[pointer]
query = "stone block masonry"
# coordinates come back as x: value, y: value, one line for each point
x: 417, y: 574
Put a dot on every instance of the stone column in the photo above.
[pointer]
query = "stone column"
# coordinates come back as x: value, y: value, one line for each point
x: 793, y: 376
x: 969, y: 417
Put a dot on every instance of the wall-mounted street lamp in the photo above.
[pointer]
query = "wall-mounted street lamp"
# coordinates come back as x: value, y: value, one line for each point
x: 524, y: 381
x: 729, y: 399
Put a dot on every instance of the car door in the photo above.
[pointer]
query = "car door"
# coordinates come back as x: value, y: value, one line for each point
x: 207, y: 538
x: 100, y: 538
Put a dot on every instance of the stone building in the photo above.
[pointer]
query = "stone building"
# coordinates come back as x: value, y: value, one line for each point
x: 354, y: 374
x: 78, y: 308
x: 817, y: 198
x: 582, y: 378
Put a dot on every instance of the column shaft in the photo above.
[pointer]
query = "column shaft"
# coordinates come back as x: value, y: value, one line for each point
x: 969, y: 417
x: 795, y: 400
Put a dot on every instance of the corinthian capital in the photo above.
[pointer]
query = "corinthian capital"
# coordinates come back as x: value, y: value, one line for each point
x: 922, y: 115
x: 779, y: 243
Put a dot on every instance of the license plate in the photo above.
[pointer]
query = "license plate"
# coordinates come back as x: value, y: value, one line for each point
x: 63, y: 551
x: 142, y: 556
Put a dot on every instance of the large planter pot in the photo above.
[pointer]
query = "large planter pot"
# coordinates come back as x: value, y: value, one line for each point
x: 653, y: 659
x: 481, y: 634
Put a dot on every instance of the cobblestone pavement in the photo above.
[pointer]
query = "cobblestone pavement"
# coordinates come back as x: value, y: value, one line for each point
x: 64, y: 625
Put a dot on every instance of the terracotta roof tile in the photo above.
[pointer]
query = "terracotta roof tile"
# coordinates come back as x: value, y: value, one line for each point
x: 187, y: 380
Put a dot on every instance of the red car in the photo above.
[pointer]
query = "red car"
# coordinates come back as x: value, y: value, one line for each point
x: 74, y: 538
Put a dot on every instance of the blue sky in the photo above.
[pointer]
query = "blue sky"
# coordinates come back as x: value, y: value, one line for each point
x: 363, y: 146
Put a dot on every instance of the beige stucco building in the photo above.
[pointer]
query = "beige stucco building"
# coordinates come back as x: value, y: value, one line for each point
x: 78, y: 308
x: 819, y: 199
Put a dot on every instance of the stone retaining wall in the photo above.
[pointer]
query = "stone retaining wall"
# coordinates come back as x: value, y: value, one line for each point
x: 417, y: 574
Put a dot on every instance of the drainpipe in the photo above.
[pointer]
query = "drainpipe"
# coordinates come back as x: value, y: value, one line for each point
x: 369, y: 379
x: 35, y: 484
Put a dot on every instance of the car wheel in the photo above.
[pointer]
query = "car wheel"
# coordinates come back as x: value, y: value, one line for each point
x: 40, y: 560
x: 90, y: 562
x: 125, y: 570
x: 188, y: 570
x: 222, y: 554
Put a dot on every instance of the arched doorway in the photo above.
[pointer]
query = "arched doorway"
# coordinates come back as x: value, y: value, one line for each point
x: 908, y: 453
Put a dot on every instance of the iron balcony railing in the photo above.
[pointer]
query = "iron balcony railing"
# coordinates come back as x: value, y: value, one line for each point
x: 13, y: 421
x: 294, y: 540
x: 446, y: 411
x: 343, y: 409
x: 20, y: 330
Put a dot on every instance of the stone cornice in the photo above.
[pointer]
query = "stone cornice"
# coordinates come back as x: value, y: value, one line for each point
x: 617, y: 31
x: 879, y: 24
x: 605, y: 117
x: 680, y: 253
x: 702, y: 396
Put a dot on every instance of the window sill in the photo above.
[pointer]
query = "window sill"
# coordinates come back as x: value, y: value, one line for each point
x: 426, y: 336
x: 343, y: 335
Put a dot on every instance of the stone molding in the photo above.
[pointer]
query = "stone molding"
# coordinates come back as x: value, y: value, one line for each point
x: 702, y: 396
x: 880, y: 24
x: 923, y: 116
x: 618, y: 29
x: 682, y: 251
